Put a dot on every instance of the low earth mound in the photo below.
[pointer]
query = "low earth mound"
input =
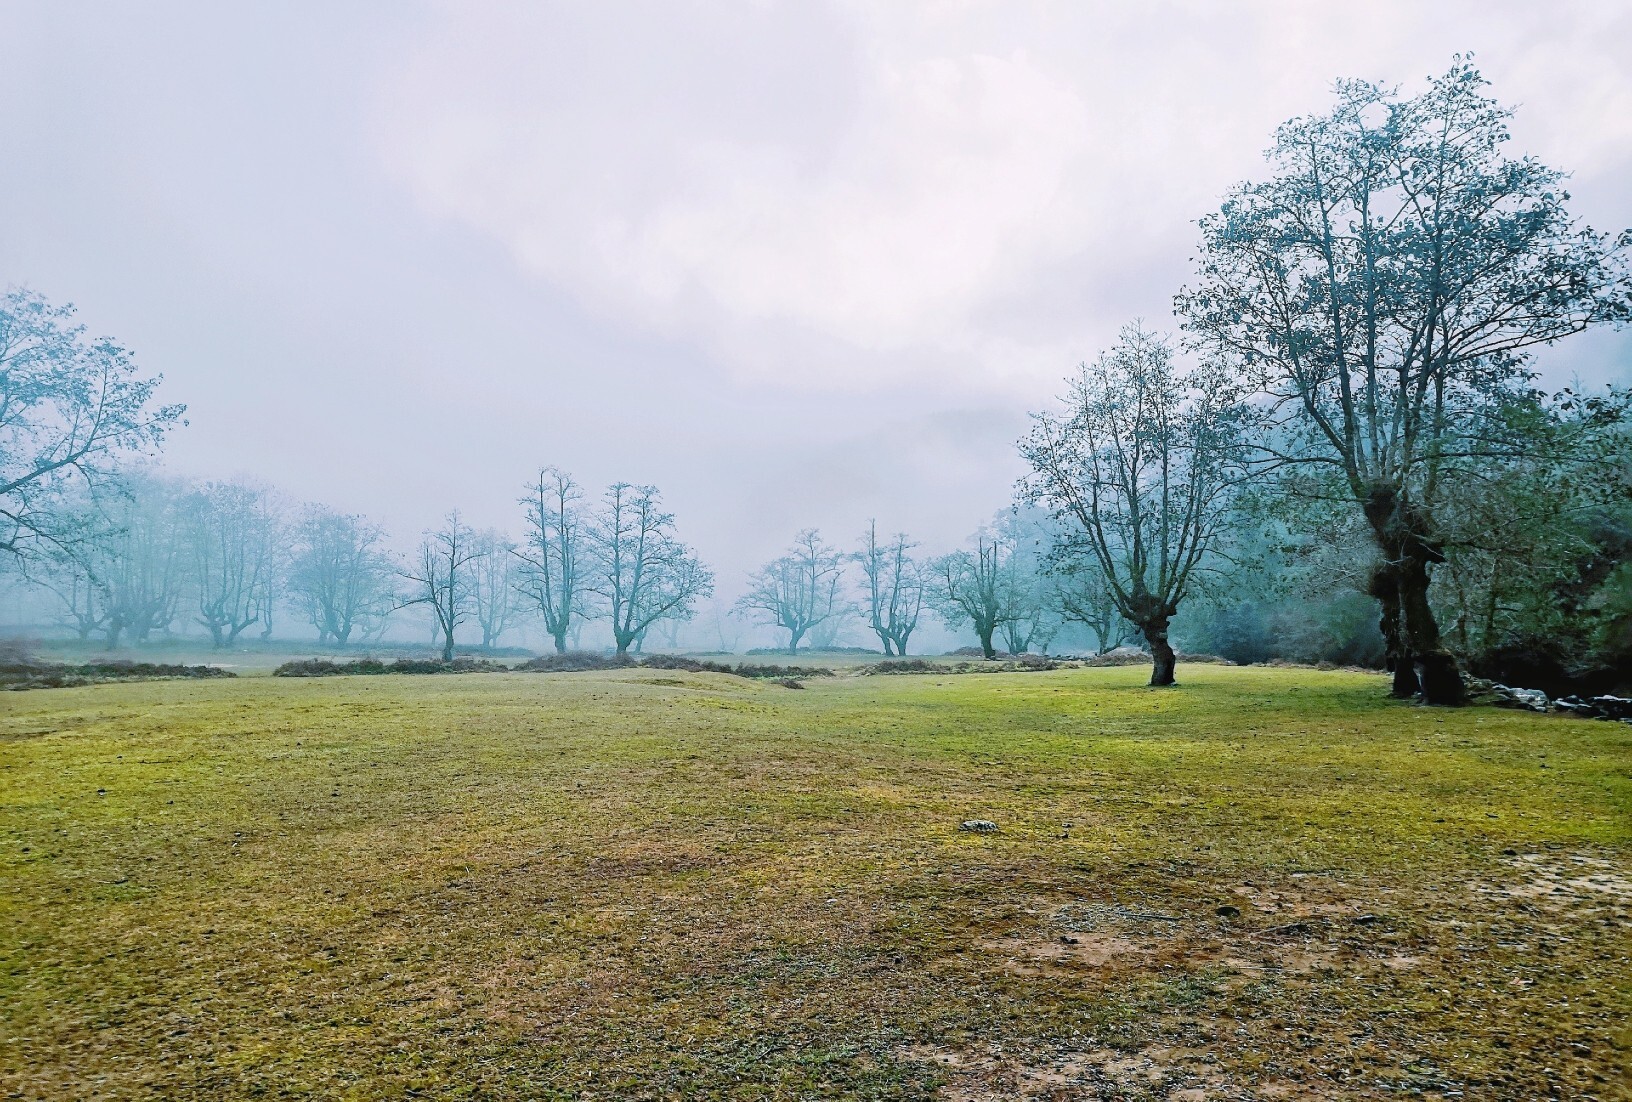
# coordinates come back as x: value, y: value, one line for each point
x: 322, y: 667
x: 18, y: 675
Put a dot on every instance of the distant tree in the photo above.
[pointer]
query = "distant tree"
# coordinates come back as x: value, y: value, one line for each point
x: 553, y: 575
x: 439, y: 578
x: 1384, y: 288
x: 133, y: 553
x: 340, y: 575
x: 1139, y: 466
x: 1031, y: 595
x: 232, y: 531
x: 726, y: 627
x: 799, y: 590
x: 71, y: 409
x: 1084, y: 596
x: 495, y: 584
x: 894, y: 588
x: 968, y: 589
x: 640, y: 569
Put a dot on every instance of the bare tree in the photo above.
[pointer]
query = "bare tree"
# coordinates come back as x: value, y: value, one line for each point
x: 1031, y: 598
x: 552, y: 555
x: 640, y: 569
x: 340, y: 575
x: 1384, y: 289
x: 136, y: 556
x: 894, y: 584
x: 231, y: 532
x: 1140, y: 463
x: 495, y: 581
x: 968, y: 589
x: 70, y: 409
x: 1085, y: 597
x: 799, y: 590
x: 439, y: 578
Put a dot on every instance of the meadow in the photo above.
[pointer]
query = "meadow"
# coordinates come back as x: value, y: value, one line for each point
x: 1265, y: 884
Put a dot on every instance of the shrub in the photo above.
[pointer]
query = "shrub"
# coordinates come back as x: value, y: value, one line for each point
x: 905, y: 665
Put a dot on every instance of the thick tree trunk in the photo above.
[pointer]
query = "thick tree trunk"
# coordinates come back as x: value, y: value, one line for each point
x: 1437, y: 676
x: 1408, y: 550
x: 1397, y: 656
x: 793, y: 640
x: 447, y: 647
x: 1163, y: 660
x: 986, y: 647
x: 901, y: 643
x: 885, y: 639
x: 560, y: 638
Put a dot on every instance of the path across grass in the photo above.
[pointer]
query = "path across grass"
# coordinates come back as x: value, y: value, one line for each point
x: 644, y: 884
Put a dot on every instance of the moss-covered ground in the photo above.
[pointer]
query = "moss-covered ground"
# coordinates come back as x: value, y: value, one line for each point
x: 1264, y: 884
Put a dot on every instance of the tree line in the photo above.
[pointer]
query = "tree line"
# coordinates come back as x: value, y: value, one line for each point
x: 1349, y: 400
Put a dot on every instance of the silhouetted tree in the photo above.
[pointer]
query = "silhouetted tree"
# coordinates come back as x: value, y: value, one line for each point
x: 799, y: 590
x: 894, y: 588
x: 639, y: 568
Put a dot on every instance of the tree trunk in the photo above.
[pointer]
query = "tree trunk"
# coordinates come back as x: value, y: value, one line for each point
x: 884, y: 638
x: 560, y: 638
x: 1163, y: 660
x: 1397, y: 655
x: 1437, y: 676
x: 1421, y: 662
x: 793, y: 640
x: 447, y: 647
x: 986, y: 647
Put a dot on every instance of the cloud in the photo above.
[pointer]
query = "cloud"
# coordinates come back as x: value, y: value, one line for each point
x: 864, y: 195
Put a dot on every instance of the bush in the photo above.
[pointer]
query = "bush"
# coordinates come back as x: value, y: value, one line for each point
x: 684, y: 664
x: 781, y: 672
x: 904, y: 666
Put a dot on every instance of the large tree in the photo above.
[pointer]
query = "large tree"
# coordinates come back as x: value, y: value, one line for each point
x: 640, y: 569
x: 1138, y: 465
x: 552, y: 554
x: 71, y: 409
x: 1384, y: 288
x: 894, y: 587
x: 798, y: 591
x: 340, y: 574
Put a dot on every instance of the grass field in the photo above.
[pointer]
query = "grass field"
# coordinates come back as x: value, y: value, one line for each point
x: 1268, y: 884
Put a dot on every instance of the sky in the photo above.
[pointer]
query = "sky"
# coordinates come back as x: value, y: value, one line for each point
x: 796, y: 264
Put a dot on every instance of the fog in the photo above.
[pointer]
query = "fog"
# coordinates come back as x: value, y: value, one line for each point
x: 798, y: 265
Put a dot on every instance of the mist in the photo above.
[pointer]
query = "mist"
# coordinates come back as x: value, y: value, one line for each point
x: 800, y: 266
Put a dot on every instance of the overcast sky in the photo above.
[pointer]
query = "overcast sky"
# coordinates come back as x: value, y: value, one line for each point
x: 798, y: 264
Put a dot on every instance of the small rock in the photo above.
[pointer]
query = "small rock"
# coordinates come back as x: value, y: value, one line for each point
x: 1068, y: 939
x: 978, y: 826
x: 1364, y: 920
x: 1229, y: 910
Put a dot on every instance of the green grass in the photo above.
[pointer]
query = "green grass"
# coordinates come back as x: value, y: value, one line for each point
x: 653, y: 884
